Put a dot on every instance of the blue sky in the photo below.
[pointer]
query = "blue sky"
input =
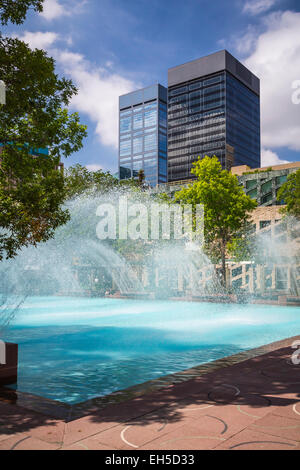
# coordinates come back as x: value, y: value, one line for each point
x: 110, y: 47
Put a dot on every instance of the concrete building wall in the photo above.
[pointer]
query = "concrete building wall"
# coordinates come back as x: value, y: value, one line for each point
x: 240, y: 170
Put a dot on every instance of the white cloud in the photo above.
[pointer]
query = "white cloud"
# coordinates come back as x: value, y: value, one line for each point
x: 38, y: 40
x: 94, y: 167
x: 245, y: 44
x: 276, y: 61
x: 99, y: 91
x: 53, y: 9
x: 269, y: 158
x: 256, y: 7
x: 99, y: 88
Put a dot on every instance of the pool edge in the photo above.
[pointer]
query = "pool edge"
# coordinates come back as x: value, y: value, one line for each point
x: 66, y: 412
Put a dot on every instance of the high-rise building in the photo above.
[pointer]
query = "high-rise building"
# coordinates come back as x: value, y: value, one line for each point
x: 143, y: 134
x: 213, y: 109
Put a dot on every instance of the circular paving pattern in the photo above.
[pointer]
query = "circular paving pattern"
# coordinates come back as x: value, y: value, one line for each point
x: 256, y: 401
x: 284, y: 370
x: 125, y: 440
x: 261, y: 444
x: 185, y: 438
x: 160, y: 428
x: 224, y: 393
x: 295, y: 408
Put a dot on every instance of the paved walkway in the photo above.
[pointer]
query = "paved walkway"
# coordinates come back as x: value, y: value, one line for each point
x: 251, y: 405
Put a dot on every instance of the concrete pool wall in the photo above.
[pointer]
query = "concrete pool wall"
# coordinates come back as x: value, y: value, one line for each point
x: 8, y: 363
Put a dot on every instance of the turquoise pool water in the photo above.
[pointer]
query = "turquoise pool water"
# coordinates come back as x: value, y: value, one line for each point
x: 74, y: 349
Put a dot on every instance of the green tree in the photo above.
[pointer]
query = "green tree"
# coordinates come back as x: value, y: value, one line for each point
x: 30, y: 200
x: 290, y: 194
x: 80, y: 180
x: 141, y: 178
x: 34, y: 117
x: 16, y: 10
x: 226, y: 207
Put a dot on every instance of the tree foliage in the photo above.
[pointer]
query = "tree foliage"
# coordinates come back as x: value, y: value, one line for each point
x: 30, y: 203
x: 290, y: 194
x: 36, y: 99
x: 141, y: 177
x: 34, y: 117
x: 80, y: 180
x: 16, y: 10
x: 226, y: 207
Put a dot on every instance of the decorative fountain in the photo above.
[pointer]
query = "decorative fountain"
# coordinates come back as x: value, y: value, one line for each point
x: 76, y: 344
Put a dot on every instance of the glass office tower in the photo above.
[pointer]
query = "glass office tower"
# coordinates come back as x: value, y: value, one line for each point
x: 213, y: 109
x: 143, y: 134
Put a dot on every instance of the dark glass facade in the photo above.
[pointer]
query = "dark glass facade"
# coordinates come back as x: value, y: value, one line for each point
x: 242, y: 122
x: 143, y: 134
x: 196, y: 124
x: 213, y: 109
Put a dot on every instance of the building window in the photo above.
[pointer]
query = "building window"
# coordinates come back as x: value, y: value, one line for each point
x: 253, y: 193
x: 125, y: 171
x: 150, y: 115
x: 281, y: 180
x: 162, y: 118
x: 150, y: 167
x: 150, y: 155
x: 137, y: 121
x: 267, y: 198
x: 212, y: 80
x: 150, y: 142
x: 264, y: 223
x: 125, y: 148
x: 162, y: 167
x: 162, y: 142
x: 182, y: 89
x: 138, y: 144
x: 266, y: 187
x: 250, y: 184
x: 125, y: 136
x: 195, y: 85
x: 136, y: 167
x: 125, y: 124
